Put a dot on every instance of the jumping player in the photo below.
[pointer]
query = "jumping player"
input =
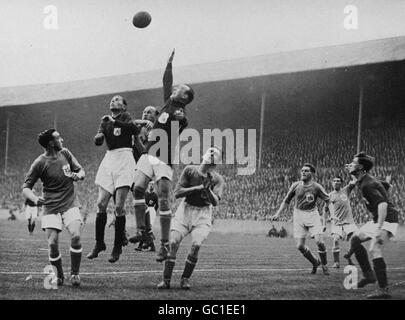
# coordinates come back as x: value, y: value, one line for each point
x: 201, y: 186
x: 58, y: 169
x: 343, y: 225
x: 306, y: 217
x: 31, y: 214
x: 149, y: 114
x: 379, y: 231
x: 157, y: 162
x: 115, y: 175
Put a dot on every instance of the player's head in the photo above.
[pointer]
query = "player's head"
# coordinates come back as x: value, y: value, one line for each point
x: 182, y: 93
x: 149, y: 113
x: 50, y: 139
x: 307, y: 171
x: 151, y: 186
x: 337, y: 183
x: 212, y: 156
x: 361, y: 163
x: 118, y: 104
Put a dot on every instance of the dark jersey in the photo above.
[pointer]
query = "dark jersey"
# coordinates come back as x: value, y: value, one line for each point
x: 306, y: 195
x: 191, y: 177
x: 55, y: 174
x: 151, y: 199
x: 165, y: 121
x: 138, y: 145
x: 374, y: 193
x: 117, y: 137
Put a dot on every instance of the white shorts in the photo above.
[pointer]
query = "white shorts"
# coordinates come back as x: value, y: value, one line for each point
x: 56, y: 221
x: 306, y: 221
x: 31, y: 212
x: 194, y: 220
x: 370, y: 228
x: 154, y: 168
x: 116, y: 170
x: 343, y: 230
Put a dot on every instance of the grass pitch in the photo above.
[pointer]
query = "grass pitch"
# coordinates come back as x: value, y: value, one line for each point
x: 231, y: 266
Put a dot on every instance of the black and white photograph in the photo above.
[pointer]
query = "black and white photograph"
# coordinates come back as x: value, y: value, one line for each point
x: 215, y: 152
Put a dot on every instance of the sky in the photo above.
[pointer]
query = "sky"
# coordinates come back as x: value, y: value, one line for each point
x: 96, y: 38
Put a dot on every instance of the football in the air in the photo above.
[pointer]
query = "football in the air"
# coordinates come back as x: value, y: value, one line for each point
x: 142, y: 19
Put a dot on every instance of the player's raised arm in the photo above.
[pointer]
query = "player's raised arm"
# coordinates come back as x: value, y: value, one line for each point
x: 183, y: 188
x: 168, y: 78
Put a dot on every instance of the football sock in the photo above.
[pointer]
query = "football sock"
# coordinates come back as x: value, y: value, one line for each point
x: 56, y: 260
x: 75, y: 258
x: 308, y: 255
x: 32, y: 226
x: 101, y: 220
x: 336, y: 253
x: 29, y: 226
x: 322, y: 254
x: 380, y: 270
x: 119, y: 231
x: 165, y: 225
x: 362, y: 258
x: 148, y: 226
x: 189, y: 267
x: 168, y: 269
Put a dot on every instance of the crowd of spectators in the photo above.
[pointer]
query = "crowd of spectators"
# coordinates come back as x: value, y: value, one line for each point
x: 257, y: 196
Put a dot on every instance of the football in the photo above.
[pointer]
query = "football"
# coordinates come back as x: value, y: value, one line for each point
x: 142, y: 19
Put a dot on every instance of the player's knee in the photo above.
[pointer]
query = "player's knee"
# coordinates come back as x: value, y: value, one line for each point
x: 102, y: 206
x: 75, y: 241
x: 139, y: 193
x: 164, y: 204
x: 174, y: 244
x: 355, y: 242
x: 301, y: 248
x: 195, y: 248
x: 321, y: 246
x: 53, y: 249
x: 335, y: 244
x: 119, y: 210
x: 376, y: 252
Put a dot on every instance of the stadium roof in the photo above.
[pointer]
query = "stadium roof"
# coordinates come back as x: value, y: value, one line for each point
x: 353, y: 54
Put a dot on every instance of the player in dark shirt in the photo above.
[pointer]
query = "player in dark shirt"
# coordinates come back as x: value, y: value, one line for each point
x: 58, y: 169
x: 139, y: 140
x: 379, y: 230
x: 115, y: 175
x: 157, y: 162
